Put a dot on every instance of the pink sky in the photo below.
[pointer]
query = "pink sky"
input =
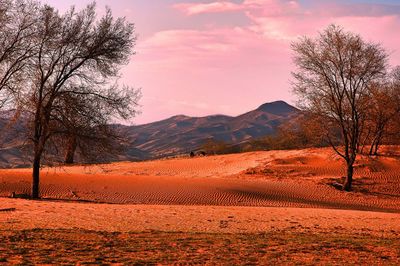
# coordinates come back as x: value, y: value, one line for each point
x: 206, y: 57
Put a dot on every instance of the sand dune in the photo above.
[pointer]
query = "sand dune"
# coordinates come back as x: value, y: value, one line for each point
x: 211, y: 219
x: 276, y: 178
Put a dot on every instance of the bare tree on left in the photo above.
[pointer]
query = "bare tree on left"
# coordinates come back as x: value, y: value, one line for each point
x: 56, y: 68
x: 78, y: 55
x: 17, y: 27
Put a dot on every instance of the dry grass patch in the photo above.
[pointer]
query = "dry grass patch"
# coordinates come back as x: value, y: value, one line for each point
x: 275, y: 247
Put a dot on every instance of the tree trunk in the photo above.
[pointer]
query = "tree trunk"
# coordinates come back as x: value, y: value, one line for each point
x: 377, y: 144
x: 70, y: 153
x: 376, y: 149
x: 35, y: 177
x: 349, y: 178
x: 371, y: 149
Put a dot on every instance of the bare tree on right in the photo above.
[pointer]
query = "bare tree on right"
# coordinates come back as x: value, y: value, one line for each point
x: 334, y: 75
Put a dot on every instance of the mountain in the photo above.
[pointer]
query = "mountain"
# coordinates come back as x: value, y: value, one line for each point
x: 11, y: 140
x: 182, y: 134
x: 176, y: 135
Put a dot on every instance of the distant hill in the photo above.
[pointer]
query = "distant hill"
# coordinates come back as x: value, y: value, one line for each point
x: 180, y: 134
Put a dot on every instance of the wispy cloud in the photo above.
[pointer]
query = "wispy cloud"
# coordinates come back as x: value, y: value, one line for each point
x: 268, y: 7
x: 290, y: 7
x: 213, y: 7
x: 236, y: 66
x: 287, y: 19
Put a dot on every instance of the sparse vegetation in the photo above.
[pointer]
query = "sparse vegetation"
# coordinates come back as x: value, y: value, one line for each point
x: 213, y: 146
x: 298, y: 133
x: 381, y: 126
x: 274, y: 247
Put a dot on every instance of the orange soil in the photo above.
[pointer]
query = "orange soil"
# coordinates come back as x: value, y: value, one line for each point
x: 275, y: 178
x: 229, y: 199
x: 207, y: 219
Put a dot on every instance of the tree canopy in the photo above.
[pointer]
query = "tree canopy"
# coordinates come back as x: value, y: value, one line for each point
x: 61, y: 72
x: 335, y: 73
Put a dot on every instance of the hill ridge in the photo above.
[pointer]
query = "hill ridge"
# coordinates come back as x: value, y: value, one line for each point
x: 181, y: 134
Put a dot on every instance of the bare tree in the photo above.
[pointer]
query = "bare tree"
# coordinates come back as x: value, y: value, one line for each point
x: 77, y: 55
x: 17, y: 27
x: 333, y: 78
x: 394, y: 126
x: 384, y: 108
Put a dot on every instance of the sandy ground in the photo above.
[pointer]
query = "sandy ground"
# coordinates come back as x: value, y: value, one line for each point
x: 210, y: 219
x: 268, y: 179
x: 273, y: 207
x: 184, y: 194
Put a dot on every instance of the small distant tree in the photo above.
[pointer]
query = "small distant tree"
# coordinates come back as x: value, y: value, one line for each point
x: 213, y: 146
x: 383, y: 109
x: 76, y: 56
x: 335, y: 72
x: 85, y: 122
x: 394, y: 126
x: 297, y: 133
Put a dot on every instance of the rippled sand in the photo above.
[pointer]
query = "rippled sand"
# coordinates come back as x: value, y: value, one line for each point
x: 298, y: 178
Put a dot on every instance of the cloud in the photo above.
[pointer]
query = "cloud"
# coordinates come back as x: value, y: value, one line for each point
x: 267, y: 16
x: 287, y: 19
x: 233, y: 67
x: 273, y: 25
x: 221, y: 48
x: 266, y: 7
x: 213, y: 7
x: 290, y: 7
x: 265, y: 40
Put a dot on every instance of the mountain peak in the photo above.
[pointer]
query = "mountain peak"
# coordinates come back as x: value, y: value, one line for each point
x: 277, y: 108
x: 179, y: 117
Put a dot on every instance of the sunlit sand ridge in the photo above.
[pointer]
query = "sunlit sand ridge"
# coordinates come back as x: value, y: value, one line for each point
x: 279, y: 178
